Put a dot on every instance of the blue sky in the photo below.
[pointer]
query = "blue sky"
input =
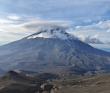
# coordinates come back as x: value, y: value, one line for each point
x: 87, y: 19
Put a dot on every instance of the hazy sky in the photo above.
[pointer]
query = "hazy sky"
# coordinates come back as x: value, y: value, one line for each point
x: 87, y: 19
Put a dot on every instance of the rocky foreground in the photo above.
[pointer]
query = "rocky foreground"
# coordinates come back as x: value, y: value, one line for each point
x: 20, y: 82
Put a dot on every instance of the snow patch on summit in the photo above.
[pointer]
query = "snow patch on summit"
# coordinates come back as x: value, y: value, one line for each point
x: 53, y: 32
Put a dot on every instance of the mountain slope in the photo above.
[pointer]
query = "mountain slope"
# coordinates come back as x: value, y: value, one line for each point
x: 53, y: 54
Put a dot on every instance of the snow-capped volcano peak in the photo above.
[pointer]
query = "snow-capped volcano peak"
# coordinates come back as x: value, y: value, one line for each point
x: 58, y: 32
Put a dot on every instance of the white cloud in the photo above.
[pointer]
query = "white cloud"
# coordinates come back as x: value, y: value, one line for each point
x: 10, y: 32
x: 8, y: 37
x: 92, y: 39
x: 78, y: 27
x: 103, y: 24
x: 57, y: 32
x: 37, y: 26
x: 94, y: 33
x: 95, y: 36
x: 49, y: 29
x: 108, y: 31
x: 12, y: 29
x: 5, y: 21
x: 88, y: 20
x: 14, y: 17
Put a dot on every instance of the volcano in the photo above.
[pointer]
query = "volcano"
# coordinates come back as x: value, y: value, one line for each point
x: 53, y: 50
